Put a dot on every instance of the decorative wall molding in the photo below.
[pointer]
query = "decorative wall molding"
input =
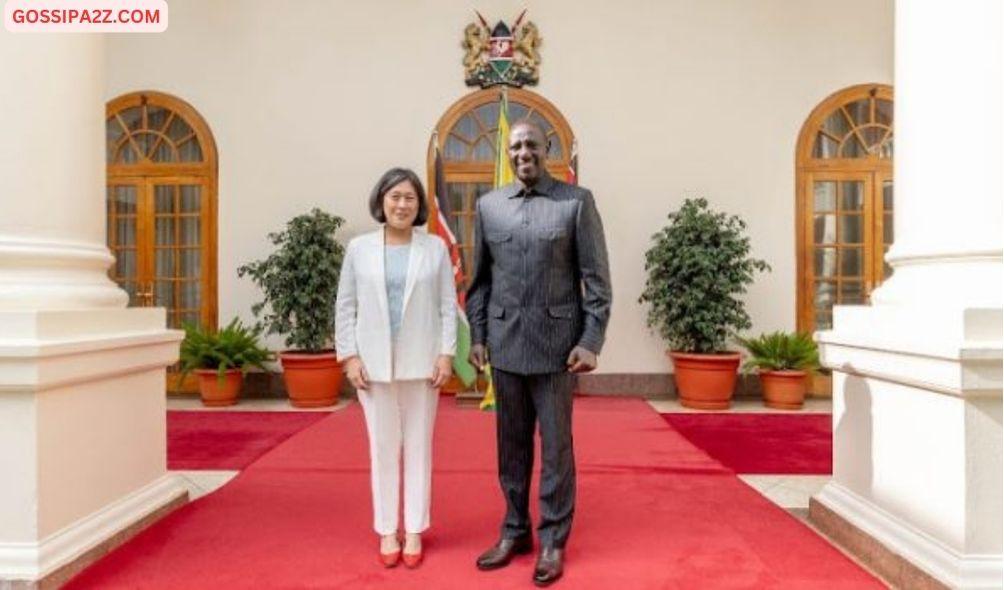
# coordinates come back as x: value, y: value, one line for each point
x: 901, y: 539
x: 895, y: 259
x: 56, y: 274
x: 40, y: 367
x: 951, y: 352
x: 32, y: 561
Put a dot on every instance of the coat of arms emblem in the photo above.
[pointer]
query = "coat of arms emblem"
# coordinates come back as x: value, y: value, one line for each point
x: 501, y: 54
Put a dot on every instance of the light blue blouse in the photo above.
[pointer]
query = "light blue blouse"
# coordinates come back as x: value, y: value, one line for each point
x: 396, y: 273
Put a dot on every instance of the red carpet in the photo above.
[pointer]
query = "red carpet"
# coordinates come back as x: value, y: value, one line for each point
x: 229, y: 440
x: 762, y: 443
x: 653, y: 513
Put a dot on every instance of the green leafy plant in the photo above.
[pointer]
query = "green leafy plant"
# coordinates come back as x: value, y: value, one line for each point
x: 781, y: 351
x: 234, y: 347
x: 300, y: 281
x: 698, y: 268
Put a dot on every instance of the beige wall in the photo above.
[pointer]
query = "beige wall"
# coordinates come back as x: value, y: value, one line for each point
x: 669, y: 99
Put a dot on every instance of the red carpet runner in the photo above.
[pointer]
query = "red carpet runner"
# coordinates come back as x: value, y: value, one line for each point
x: 653, y: 512
x: 797, y: 444
x: 229, y: 440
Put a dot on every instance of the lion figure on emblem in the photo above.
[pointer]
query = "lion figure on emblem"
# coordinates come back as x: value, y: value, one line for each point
x: 475, y: 42
x: 525, y: 46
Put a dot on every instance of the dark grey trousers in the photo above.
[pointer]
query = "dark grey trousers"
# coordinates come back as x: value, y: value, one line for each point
x: 521, y: 402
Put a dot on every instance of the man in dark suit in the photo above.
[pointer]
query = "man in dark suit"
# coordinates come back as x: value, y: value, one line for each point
x: 540, y: 301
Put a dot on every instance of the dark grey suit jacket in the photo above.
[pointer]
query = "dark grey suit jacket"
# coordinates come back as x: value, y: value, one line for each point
x: 541, y: 279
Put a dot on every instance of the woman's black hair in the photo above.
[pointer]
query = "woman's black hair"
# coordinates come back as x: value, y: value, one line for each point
x: 391, y: 178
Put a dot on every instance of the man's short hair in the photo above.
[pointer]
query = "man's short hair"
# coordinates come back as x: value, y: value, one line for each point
x: 531, y: 123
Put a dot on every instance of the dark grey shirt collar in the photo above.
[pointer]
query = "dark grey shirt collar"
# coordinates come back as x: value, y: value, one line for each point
x: 543, y: 187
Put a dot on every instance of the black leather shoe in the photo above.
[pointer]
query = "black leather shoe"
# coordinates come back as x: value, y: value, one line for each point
x: 502, y: 552
x: 550, y: 565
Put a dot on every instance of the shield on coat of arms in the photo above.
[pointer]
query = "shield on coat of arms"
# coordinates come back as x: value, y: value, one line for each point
x: 500, y: 50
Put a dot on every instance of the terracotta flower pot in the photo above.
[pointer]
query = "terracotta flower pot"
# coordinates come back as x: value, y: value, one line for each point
x: 705, y: 381
x: 313, y: 380
x: 784, y: 390
x: 219, y: 393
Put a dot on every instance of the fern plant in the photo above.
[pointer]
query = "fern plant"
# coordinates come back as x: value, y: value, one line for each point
x: 234, y: 347
x: 698, y: 269
x: 781, y: 351
x: 300, y: 281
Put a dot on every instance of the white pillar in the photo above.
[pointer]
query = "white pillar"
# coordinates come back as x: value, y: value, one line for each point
x: 948, y: 156
x: 52, y: 251
x: 917, y: 374
x: 82, y: 417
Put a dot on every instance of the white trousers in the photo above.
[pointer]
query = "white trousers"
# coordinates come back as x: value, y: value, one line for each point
x: 400, y: 414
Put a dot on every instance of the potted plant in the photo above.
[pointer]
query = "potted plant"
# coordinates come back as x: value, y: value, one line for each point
x: 299, y: 281
x: 698, y: 269
x: 783, y: 361
x: 220, y: 359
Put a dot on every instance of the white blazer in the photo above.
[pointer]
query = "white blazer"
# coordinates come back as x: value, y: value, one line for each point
x: 428, y: 317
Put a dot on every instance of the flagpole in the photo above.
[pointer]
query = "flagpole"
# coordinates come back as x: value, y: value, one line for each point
x: 572, y: 174
x: 575, y: 158
x: 430, y: 158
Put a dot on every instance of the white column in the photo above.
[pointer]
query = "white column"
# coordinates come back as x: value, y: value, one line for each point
x: 917, y: 374
x: 82, y: 417
x: 948, y: 156
x: 52, y: 252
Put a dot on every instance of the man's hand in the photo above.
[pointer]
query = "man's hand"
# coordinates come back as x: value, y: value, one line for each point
x: 442, y: 371
x: 356, y: 373
x: 581, y: 360
x: 478, y: 356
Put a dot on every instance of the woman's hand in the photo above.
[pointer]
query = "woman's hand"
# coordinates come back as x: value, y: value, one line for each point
x: 442, y: 370
x: 356, y: 373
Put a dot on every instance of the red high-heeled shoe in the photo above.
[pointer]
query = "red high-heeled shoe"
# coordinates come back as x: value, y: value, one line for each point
x: 390, y: 559
x: 412, y: 560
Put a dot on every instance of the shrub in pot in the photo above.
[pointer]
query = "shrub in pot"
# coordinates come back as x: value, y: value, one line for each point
x: 220, y: 358
x: 698, y: 269
x: 783, y: 362
x: 299, y: 280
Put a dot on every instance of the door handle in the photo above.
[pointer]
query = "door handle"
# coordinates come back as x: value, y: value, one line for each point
x: 146, y: 297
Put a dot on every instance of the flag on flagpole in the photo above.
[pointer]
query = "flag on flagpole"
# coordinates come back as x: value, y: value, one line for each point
x: 461, y: 361
x: 503, y: 176
x: 442, y: 227
x: 503, y: 170
x: 488, y: 402
x: 572, y: 174
x: 461, y: 365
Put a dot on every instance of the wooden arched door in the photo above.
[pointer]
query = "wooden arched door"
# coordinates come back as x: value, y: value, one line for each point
x: 466, y: 136
x: 161, y: 178
x: 844, y: 205
x: 161, y: 209
x: 844, y: 202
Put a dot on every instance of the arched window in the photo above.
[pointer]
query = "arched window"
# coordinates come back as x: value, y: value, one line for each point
x: 844, y: 201
x: 161, y: 166
x: 466, y: 135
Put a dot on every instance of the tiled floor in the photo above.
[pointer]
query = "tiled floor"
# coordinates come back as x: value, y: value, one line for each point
x: 200, y: 483
x: 791, y: 492
x: 743, y: 406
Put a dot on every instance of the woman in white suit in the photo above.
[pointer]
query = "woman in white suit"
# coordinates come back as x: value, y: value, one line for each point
x: 395, y: 332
